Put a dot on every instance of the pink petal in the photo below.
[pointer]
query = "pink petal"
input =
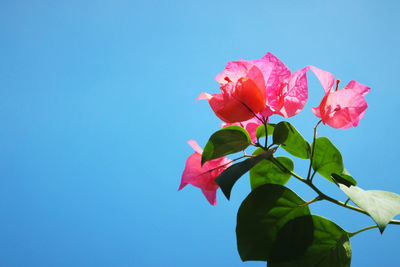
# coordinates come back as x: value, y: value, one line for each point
x: 360, y: 116
x: 266, y: 64
x: 360, y: 88
x: 191, y: 169
x: 276, y: 75
x: 320, y: 111
x: 294, y: 96
x: 234, y: 105
x: 203, y: 176
x: 346, y: 98
x: 243, y: 92
x: 195, y: 146
x: 267, y: 112
x: 211, y: 196
x: 204, y: 96
x: 235, y: 70
x: 344, y: 108
x: 316, y: 111
x: 340, y: 119
x: 250, y: 125
x: 250, y: 94
x: 269, y: 64
x: 229, y: 109
x: 325, y: 78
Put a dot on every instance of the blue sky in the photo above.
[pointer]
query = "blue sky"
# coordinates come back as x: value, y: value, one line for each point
x: 98, y: 100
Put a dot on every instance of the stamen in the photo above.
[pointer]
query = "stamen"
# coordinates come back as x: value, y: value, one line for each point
x: 227, y: 79
x: 337, y: 108
x: 337, y: 84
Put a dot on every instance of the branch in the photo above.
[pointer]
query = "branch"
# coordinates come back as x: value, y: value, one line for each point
x: 321, y: 195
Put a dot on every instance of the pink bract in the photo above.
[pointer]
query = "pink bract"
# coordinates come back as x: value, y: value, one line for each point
x: 286, y: 93
x: 203, y: 176
x: 250, y: 125
x: 243, y: 92
x: 343, y: 108
x: 265, y: 86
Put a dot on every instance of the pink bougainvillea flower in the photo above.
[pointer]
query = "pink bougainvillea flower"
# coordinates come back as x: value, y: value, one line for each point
x: 243, y: 92
x: 265, y: 86
x: 203, y: 176
x: 286, y: 92
x: 340, y: 108
x: 250, y: 125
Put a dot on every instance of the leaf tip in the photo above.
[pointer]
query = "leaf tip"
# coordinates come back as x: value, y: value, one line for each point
x: 226, y: 192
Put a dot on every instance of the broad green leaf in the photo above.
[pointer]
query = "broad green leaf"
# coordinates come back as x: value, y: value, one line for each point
x: 328, y: 161
x: 260, y: 217
x: 266, y: 172
x: 228, y: 177
x: 344, y: 178
x: 311, y: 240
x: 260, y: 132
x: 291, y: 140
x: 382, y: 206
x: 226, y: 141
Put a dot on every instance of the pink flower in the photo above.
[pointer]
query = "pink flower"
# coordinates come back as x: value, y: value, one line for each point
x: 243, y: 92
x: 264, y: 86
x: 340, y: 108
x: 250, y: 125
x: 286, y: 92
x: 203, y: 176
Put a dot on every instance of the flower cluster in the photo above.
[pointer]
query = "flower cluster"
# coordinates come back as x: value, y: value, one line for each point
x: 254, y: 90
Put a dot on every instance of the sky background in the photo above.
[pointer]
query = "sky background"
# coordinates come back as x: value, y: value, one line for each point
x: 97, y: 101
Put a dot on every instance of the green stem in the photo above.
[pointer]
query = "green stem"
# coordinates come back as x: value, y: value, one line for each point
x: 282, y: 167
x: 223, y: 165
x: 311, y: 201
x: 312, y: 151
x: 362, y: 230
x: 321, y: 195
x: 312, y: 176
x: 266, y: 133
x: 269, y: 146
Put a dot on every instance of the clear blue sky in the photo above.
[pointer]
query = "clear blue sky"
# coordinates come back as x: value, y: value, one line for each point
x: 98, y: 100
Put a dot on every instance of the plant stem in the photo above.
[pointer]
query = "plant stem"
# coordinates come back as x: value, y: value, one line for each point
x: 311, y: 201
x: 266, y: 132
x: 362, y: 230
x: 280, y: 165
x: 250, y: 110
x: 270, y: 146
x: 223, y: 165
x: 321, y: 195
x: 312, y: 175
x: 312, y: 151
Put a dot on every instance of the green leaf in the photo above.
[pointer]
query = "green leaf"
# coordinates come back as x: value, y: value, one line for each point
x: 228, y: 177
x: 266, y: 172
x: 260, y: 132
x: 226, y: 141
x: 382, y: 206
x: 311, y: 240
x: 328, y: 161
x: 344, y: 178
x: 291, y: 140
x: 264, y: 211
